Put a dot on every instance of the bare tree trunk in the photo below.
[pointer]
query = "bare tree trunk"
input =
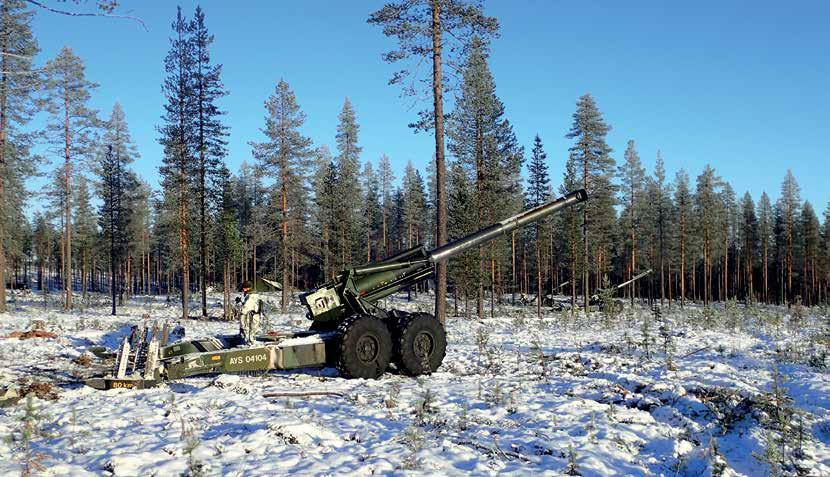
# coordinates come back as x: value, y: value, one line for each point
x: 766, y: 271
x: 285, y: 248
x: 183, y: 244
x: 3, y: 127
x: 538, y: 275
x: 585, y: 239
x: 440, y: 169
x: 226, y: 303
x: 67, y: 205
x: 513, y: 276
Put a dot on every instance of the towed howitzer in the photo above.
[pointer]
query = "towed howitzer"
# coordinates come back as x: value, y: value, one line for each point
x: 604, y: 297
x: 349, y: 328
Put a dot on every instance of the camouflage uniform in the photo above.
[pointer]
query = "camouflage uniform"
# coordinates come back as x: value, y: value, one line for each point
x: 250, y: 317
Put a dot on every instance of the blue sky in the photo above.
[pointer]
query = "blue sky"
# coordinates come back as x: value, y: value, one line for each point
x: 742, y: 85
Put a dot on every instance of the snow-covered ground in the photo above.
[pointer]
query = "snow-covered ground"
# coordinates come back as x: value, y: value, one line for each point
x: 516, y: 395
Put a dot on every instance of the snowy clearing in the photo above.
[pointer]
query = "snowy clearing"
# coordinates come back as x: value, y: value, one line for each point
x: 515, y: 396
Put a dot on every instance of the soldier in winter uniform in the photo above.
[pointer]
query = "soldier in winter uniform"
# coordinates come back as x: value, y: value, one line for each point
x: 250, y: 316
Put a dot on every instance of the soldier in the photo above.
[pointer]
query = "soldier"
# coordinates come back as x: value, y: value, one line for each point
x: 250, y: 317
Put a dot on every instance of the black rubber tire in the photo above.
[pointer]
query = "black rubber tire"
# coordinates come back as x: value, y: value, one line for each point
x: 365, y: 347
x: 417, y: 335
x: 323, y: 326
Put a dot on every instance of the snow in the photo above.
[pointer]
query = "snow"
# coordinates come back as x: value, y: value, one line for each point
x: 516, y: 396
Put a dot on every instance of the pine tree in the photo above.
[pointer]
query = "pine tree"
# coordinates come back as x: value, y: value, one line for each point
x: 825, y: 253
x: 138, y: 196
x: 538, y: 192
x: 177, y: 138
x: 348, y: 228
x: 371, y: 210
x: 706, y: 215
x: 466, y: 270
x: 18, y: 82
x: 632, y: 177
x: 811, y: 244
x: 86, y: 231
x: 386, y: 180
x: 42, y: 247
x: 749, y: 241
x: 571, y: 232
x: 659, y: 207
x: 70, y: 128
x: 286, y: 156
x: 592, y: 160
x: 440, y: 29
x: 227, y: 238
x: 790, y: 203
x: 209, y: 132
x: 765, y: 229
x: 113, y: 213
x: 682, y: 216
x: 324, y: 184
x: 415, y: 205
x: 729, y: 221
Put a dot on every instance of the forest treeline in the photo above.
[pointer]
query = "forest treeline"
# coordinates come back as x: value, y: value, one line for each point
x: 299, y: 213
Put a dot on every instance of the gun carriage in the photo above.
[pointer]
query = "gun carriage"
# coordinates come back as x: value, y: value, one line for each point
x: 349, y: 328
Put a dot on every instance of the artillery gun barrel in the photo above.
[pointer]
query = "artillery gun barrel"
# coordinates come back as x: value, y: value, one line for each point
x: 633, y: 279
x: 506, y: 226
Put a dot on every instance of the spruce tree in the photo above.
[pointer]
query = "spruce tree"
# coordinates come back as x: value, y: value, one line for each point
x: 572, y: 233
x: 415, y: 205
x: 324, y: 183
x: 483, y: 140
x: 177, y: 138
x: 286, y: 157
x: 592, y: 161
x: 42, y: 246
x: 632, y: 189
x: 659, y: 209
x: 538, y: 192
x: 729, y: 221
x: 538, y: 181
x: 706, y: 215
x: 466, y: 268
x: 440, y: 29
x: 825, y: 259
x: 348, y: 227
x: 209, y: 131
x: 386, y: 180
x: 810, y: 232
x: 371, y: 210
x: 790, y: 207
x: 86, y: 231
x: 70, y: 128
x: 18, y: 82
x: 113, y: 213
x: 227, y: 237
x: 683, y: 203
x: 765, y: 230
x: 749, y: 241
x: 139, y: 205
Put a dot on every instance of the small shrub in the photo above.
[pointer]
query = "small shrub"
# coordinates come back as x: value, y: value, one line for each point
x: 413, y: 439
x: 572, y: 468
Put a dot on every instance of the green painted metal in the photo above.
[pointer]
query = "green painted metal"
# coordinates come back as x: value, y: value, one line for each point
x: 357, y: 290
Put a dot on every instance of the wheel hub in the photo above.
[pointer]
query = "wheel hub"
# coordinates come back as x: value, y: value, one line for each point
x: 423, y: 344
x: 367, y: 349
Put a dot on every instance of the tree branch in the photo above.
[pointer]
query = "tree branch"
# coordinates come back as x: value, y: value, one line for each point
x: 303, y: 394
x: 76, y: 14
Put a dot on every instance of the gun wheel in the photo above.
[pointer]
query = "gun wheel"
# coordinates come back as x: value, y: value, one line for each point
x: 420, y: 344
x: 365, y: 347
